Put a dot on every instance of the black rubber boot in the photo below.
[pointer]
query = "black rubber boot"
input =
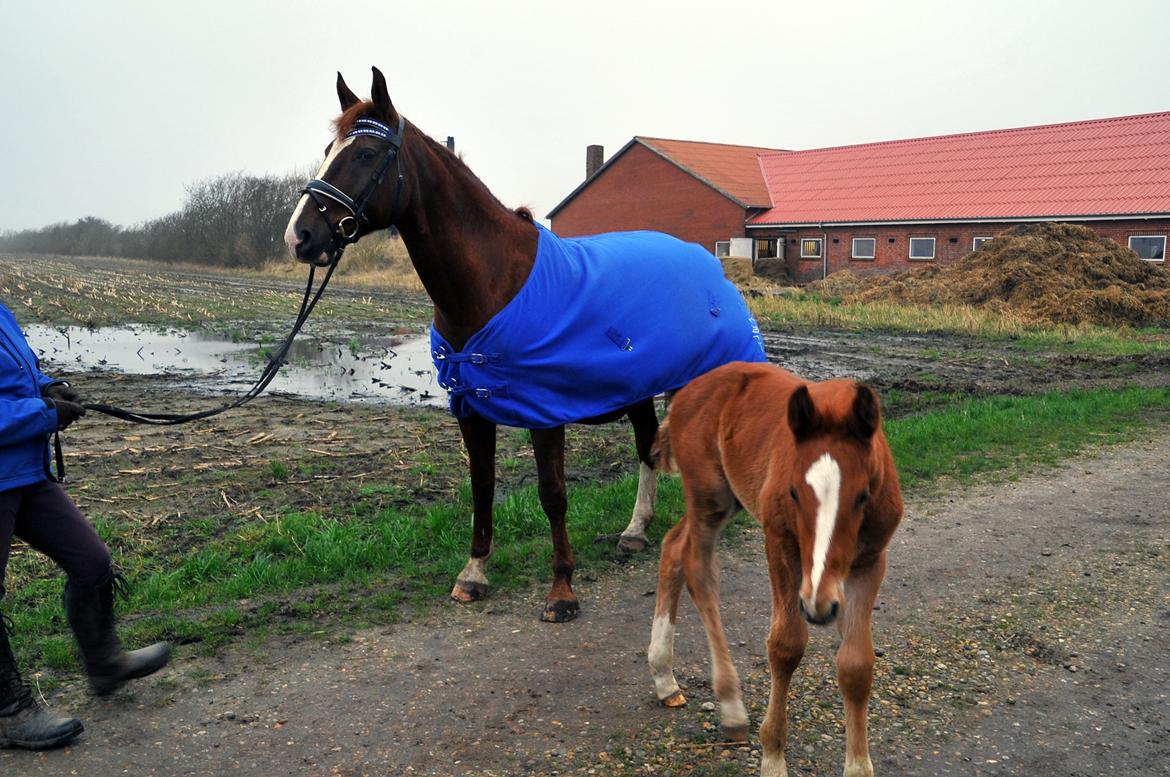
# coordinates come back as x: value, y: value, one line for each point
x: 22, y: 721
x: 90, y: 612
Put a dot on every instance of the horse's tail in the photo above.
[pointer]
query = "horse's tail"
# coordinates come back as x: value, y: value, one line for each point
x: 660, y: 452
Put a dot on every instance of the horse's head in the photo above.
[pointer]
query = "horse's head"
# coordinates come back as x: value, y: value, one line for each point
x: 831, y: 480
x: 359, y: 187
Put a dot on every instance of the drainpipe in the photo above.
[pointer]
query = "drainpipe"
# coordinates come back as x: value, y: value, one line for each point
x: 824, y: 251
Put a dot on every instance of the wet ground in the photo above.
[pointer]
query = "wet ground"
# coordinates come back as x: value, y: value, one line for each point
x: 389, y: 368
x: 1023, y: 624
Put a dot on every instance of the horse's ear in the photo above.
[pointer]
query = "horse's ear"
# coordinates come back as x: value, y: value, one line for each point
x: 344, y: 94
x: 381, y: 98
x: 866, y: 413
x: 802, y: 415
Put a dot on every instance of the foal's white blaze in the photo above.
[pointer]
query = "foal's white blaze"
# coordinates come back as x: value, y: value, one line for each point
x: 290, y: 236
x: 825, y: 478
x: 661, y: 657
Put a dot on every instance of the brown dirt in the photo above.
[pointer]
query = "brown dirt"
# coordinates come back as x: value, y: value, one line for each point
x: 1041, y: 273
x: 1022, y: 627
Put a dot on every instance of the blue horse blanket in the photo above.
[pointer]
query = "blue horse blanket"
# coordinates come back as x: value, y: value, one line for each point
x: 601, y: 323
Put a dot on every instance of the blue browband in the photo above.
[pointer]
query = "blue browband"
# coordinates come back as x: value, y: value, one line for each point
x: 376, y: 128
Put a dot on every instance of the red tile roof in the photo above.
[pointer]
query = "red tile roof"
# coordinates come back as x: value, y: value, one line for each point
x: 732, y: 170
x: 1105, y: 167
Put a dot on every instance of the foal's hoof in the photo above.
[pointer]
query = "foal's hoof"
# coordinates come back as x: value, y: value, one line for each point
x: 632, y: 544
x: 560, y: 611
x: 735, y: 733
x: 468, y: 592
x: 675, y: 699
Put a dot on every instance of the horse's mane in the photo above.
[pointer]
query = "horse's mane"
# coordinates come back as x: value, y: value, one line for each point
x: 344, y: 123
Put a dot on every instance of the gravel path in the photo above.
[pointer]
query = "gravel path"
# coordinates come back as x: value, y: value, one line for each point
x: 1023, y: 624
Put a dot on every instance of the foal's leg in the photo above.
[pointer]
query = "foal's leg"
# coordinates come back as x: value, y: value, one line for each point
x: 645, y: 422
x: 661, y: 651
x: 786, y: 641
x: 855, y: 662
x: 549, y: 445
x: 702, y: 575
x: 479, y: 437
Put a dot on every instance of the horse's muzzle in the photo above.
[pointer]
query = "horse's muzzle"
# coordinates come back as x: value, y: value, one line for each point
x: 820, y: 618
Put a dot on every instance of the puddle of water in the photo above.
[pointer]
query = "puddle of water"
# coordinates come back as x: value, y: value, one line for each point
x: 393, y: 369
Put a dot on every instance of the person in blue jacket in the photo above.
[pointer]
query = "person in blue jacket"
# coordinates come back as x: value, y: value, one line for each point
x: 37, y: 510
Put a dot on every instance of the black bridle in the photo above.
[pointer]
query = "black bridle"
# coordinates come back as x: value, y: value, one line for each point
x: 346, y: 231
x: 349, y: 229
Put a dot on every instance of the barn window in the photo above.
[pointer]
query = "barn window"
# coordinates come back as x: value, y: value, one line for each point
x: 766, y: 248
x: 975, y: 243
x: 810, y: 248
x: 1152, y: 248
x: 922, y: 248
x: 864, y: 247
x: 722, y: 248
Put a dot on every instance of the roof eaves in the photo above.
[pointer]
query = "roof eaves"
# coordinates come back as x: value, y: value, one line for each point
x: 751, y: 223
x: 692, y: 173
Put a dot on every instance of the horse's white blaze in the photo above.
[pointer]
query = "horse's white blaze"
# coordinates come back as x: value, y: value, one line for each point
x: 825, y: 478
x: 661, y: 657
x: 290, y: 235
x: 644, y: 506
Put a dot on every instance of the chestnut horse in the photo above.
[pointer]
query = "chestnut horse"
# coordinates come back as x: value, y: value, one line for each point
x: 811, y: 464
x: 474, y: 256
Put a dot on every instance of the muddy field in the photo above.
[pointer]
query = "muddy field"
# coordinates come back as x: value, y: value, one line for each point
x: 1008, y: 649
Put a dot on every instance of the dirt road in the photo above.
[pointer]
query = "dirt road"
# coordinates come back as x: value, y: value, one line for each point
x: 1040, y: 609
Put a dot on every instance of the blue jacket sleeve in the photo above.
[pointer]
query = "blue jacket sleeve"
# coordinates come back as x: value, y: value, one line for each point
x: 25, y: 419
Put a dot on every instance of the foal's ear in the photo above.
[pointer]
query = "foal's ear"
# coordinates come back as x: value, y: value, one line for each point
x: 381, y: 98
x: 802, y: 415
x: 866, y: 413
x: 344, y: 94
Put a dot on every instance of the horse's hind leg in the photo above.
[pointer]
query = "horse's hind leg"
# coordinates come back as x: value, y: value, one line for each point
x: 479, y: 437
x: 549, y: 446
x: 855, y: 663
x: 660, y: 654
x: 645, y: 422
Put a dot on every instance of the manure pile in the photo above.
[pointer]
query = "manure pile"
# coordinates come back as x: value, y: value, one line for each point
x: 1041, y: 273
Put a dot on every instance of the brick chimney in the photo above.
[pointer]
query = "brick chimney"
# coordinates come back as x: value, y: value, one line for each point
x: 594, y: 159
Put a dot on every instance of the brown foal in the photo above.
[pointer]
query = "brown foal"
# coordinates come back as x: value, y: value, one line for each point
x: 810, y: 463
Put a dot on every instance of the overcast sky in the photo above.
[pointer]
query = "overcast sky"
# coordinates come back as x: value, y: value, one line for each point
x: 111, y: 108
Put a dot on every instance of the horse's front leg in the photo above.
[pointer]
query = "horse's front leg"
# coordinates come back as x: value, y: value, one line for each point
x: 855, y: 663
x: 479, y: 437
x: 549, y: 446
x: 786, y: 642
x: 645, y: 423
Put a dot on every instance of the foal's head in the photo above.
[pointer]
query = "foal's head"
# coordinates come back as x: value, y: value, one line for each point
x: 830, y: 488
x: 363, y: 165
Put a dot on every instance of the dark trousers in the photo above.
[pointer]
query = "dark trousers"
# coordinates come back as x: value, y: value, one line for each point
x: 45, y: 517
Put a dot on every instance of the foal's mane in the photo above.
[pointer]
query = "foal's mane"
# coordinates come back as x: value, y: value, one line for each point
x: 345, y: 122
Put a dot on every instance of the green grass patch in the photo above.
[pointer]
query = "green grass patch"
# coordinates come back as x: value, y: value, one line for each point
x: 371, y: 558
x: 1012, y: 434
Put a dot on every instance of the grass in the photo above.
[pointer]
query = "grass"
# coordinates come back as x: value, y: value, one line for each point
x: 374, y: 561
x: 1005, y: 435
x: 808, y: 310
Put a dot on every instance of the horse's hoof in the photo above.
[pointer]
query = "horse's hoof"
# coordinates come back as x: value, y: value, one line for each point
x: 675, y: 699
x: 632, y: 544
x: 560, y: 611
x: 735, y: 733
x: 469, y: 592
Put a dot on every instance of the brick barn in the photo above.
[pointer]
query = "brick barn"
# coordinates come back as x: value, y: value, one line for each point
x: 879, y: 207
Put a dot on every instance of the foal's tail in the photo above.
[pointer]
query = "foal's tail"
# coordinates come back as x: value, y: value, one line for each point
x: 660, y: 451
